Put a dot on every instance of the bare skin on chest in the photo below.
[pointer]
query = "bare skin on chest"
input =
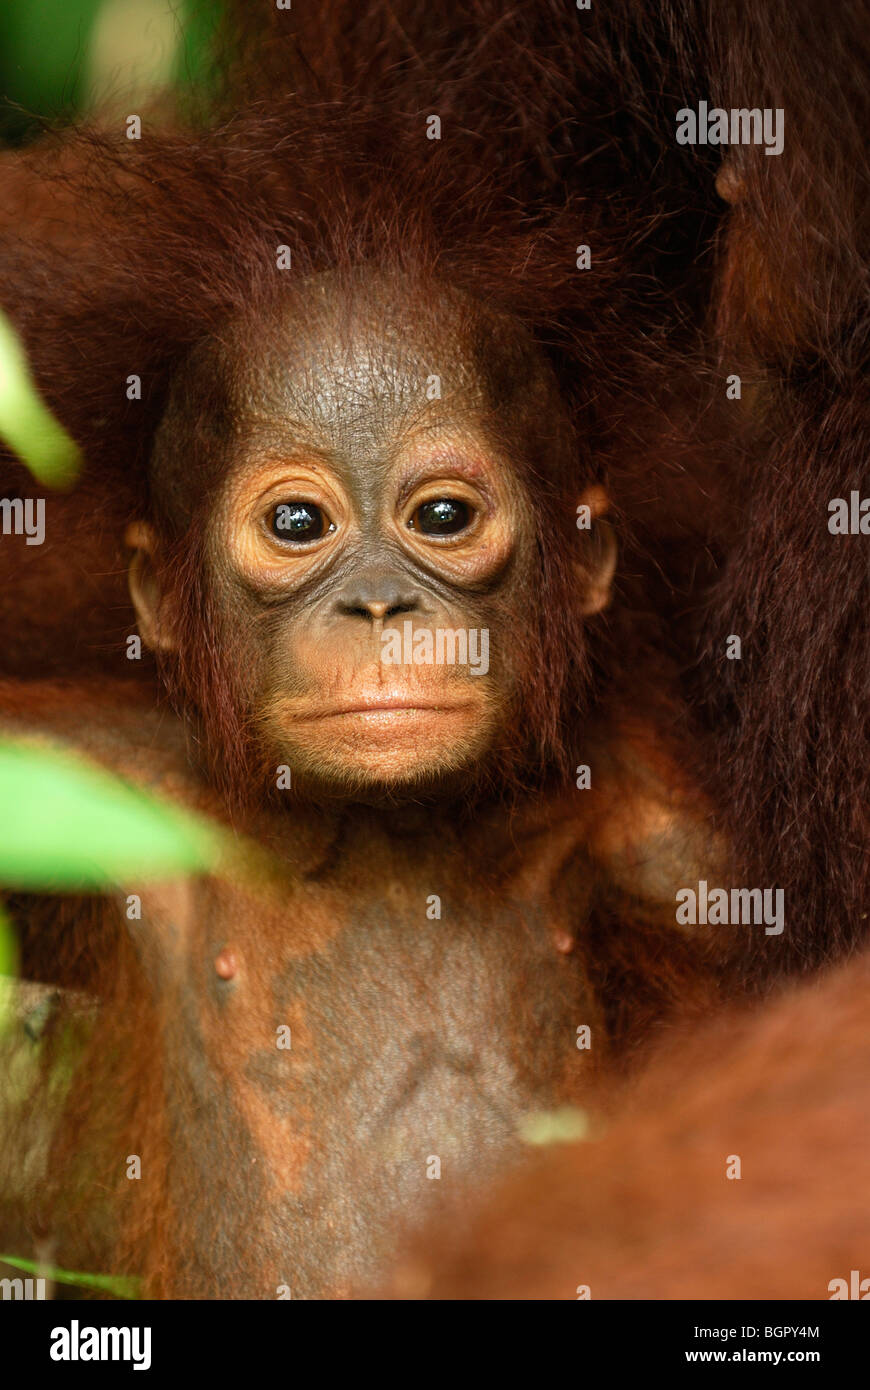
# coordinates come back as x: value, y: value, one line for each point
x: 367, y: 1039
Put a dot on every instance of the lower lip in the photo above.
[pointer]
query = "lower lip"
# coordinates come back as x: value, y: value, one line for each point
x: 385, y: 718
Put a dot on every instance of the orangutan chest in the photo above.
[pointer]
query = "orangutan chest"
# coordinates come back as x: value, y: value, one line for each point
x: 386, y: 1070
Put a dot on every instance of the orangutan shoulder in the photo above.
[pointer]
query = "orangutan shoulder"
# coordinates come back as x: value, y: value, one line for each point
x: 116, y: 724
x: 652, y: 830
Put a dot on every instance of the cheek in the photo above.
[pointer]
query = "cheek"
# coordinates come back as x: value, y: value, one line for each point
x: 239, y: 639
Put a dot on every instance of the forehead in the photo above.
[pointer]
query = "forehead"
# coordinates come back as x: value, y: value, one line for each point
x: 376, y: 350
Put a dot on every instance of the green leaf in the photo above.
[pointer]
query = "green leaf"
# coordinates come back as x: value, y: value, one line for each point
x: 121, y: 1285
x: 8, y: 947
x: 66, y: 824
x: 26, y: 424
x: 8, y: 967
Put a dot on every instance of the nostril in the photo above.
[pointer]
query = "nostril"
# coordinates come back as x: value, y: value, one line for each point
x: 377, y: 609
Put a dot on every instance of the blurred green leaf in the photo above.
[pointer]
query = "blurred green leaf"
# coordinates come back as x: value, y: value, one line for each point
x: 42, y: 46
x: 202, y: 23
x: 8, y: 966
x: 8, y: 947
x: 121, y: 1285
x: 66, y: 824
x: 26, y: 424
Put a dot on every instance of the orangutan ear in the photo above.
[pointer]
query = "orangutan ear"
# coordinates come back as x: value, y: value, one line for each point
x: 152, y: 608
x: 596, y: 565
x: 760, y: 310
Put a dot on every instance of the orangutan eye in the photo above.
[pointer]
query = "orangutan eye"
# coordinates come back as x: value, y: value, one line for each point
x: 296, y: 523
x: 445, y: 516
